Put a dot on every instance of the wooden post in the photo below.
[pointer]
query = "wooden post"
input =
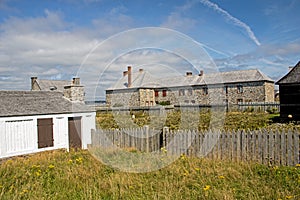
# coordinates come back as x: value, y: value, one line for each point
x: 147, y: 138
x: 296, y: 147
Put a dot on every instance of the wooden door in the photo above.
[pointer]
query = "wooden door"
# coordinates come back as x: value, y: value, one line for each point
x: 45, y: 132
x: 75, y: 132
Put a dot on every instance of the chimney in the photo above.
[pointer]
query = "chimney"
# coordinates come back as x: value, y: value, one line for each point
x: 129, y: 76
x: 290, y: 68
x: 189, y: 73
x: 201, y: 73
x: 76, y: 81
x: 74, y: 92
x: 125, y: 73
x: 34, y: 85
x: 141, y: 70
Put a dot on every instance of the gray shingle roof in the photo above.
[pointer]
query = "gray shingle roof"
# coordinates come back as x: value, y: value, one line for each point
x: 45, y: 85
x: 144, y: 79
x: 292, y: 77
x: 24, y: 103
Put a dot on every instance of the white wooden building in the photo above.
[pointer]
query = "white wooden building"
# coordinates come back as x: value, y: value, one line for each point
x: 34, y: 121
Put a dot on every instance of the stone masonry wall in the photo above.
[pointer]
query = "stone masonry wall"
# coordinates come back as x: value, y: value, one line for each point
x: 204, y: 95
x: 123, y: 98
x: 74, y: 93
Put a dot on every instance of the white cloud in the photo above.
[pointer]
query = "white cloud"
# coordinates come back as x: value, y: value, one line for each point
x: 176, y: 21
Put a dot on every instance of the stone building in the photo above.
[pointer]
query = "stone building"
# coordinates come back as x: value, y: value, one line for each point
x: 222, y: 88
x: 71, y: 89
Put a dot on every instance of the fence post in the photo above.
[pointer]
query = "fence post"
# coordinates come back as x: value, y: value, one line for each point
x: 165, y: 132
x: 147, y: 138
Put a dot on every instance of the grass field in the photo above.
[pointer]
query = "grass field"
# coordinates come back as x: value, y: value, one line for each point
x: 78, y: 175
x: 196, y: 120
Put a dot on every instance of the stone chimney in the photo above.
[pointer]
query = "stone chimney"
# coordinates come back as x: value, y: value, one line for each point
x: 125, y: 73
x: 76, y: 81
x: 201, y: 73
x: 75, y: 91
x: 34, y: 84
x: 129, y: 76
x: 141, y: 70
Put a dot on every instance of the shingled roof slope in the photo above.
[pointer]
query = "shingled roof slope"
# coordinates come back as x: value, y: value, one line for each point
x: 144, y: 79
x: 46, y: 85
x: 25, y: 103
x: 139, y: 79
x: 293, y: 76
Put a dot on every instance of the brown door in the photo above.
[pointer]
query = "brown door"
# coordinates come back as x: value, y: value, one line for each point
x: 45, y: 133
x: 75, y: 132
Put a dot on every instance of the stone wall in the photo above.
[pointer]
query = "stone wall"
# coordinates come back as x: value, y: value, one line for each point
x: 219, y: 94
x: 123, y: 98
x: 74, y: 93
x: 270, y: 93
x: 193, y: 95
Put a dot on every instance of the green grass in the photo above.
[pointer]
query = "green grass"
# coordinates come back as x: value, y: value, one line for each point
x: 78, y: 175
x: 190, y: 120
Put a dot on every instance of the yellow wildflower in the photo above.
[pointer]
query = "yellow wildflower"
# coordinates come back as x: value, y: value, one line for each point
x: 289, y: 197
x: 79, y: 160
x: 298, y: 165
x: 183, y: 156
x: 163, y: 149
x: 51, y: 166
x: 38, y: 173
x: 221, y: 177
x: 185, y: 172
x: 70, y: 161
x: 206, y: 188
x: 197, y: 168
x: 23, y: 192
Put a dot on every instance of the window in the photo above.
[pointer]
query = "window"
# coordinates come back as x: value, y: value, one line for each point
x: 181, y: 92
x: 190, y: 92
x: 226, y: 89
x: 240, y: 89
x: 164, y: 93
x: 156, y: 94
x: 205, y: 90
x: 239, y: 100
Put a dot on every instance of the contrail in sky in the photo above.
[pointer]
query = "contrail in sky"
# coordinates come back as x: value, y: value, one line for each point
x: 235, y: 21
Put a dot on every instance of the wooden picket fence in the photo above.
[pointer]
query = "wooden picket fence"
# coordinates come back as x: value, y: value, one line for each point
x: 275, y: 147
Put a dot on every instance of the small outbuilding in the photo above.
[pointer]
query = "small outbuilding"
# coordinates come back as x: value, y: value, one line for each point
x: 289, y: 94
x: 34, y: 121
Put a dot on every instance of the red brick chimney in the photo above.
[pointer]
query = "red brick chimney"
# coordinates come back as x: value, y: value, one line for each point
x: 129, y: 76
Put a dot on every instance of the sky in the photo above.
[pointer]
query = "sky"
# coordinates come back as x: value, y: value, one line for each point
x: 97, y: 39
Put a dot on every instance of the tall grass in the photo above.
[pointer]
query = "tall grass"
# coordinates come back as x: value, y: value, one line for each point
x: 78, y: 175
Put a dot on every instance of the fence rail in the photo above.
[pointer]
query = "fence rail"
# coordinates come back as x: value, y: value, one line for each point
x: 259, y: 106
x: 278, y: 147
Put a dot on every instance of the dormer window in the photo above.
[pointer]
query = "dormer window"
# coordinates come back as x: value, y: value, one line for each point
x: 53, y: 88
